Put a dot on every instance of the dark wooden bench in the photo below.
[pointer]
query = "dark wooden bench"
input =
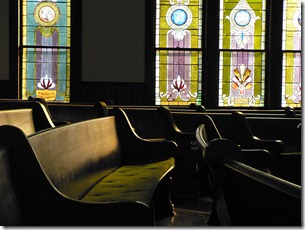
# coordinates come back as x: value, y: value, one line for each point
x: 285, y: 156
x: 145, y: 121
x: 31, y: 116
x: 21, y: 118
x: 66, y: 113
x: 243, y: 195
x: 188, y: 166
x: 91, y: 173
x: 195, y: 108
x: 75, y: 112
x: 283, y: 130
x: 285, y: 164
x: 263, y: 125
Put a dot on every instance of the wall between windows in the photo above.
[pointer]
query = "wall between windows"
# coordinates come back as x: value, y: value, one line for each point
x: 4, y: 40
x: 113, y: 41
x: 109, y: 52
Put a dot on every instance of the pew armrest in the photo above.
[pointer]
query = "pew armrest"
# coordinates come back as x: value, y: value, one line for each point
x: 274, y: 147
x: 137, y: 149
x: 257, y: 158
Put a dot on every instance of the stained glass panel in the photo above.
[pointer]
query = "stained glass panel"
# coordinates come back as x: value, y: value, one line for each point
x: 292, y: 63
x: 178, y: 52
x: 46, y: 49
x: 242, y: 56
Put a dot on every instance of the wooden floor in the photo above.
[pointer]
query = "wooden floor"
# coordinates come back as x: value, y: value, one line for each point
x: 191, y: 209
x: 184, y: 220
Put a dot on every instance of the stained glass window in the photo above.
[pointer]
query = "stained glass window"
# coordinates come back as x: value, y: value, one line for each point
x: 45, y: 48
x: 242, y: 55
x: 292, y: 73
x: 178, y: 52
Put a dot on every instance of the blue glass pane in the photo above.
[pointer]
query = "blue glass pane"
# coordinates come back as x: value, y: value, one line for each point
x: 179, y: 17
x: 242, y: 18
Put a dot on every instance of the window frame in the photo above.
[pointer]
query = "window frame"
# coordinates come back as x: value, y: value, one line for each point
x: 200, y: 53
x: 22, y: 48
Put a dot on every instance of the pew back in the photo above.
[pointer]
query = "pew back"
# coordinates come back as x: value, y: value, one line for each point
x: 9, y: 206
x: 40, y: 118
x: 21, y: 118
x: 87, y: 145
x: 147, y: 124
x: 73, y: 112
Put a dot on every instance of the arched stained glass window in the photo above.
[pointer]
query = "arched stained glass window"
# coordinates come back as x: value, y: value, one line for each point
x: 292, y: 71
x: 178, y: 52
x: 45, y: 48
x: 242, y: 54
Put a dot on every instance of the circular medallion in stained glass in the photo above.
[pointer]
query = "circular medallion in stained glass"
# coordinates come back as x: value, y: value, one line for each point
x: 242, y: 18
x: 46, y: 13
x: 179, y: 17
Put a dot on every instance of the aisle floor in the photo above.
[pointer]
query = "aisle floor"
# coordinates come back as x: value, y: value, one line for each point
x: 190, y: 210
